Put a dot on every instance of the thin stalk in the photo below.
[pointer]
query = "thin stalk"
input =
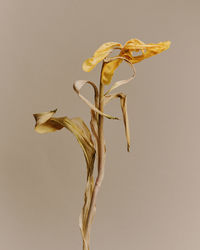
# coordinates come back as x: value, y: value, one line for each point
x: 101, y: 161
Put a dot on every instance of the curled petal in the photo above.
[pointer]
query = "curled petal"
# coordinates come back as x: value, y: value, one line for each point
x: 99, y: 55
x: 147, y: 50
x: 111, y: 64
x: 109, y: 69
x: 122, y: 82
x: 133, y: 45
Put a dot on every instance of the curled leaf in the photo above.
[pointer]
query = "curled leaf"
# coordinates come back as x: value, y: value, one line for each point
x: 45, y: 123
x: 99, y: 55
x: 77, y: 87
x: 122, y: 82
x: 123, y: 103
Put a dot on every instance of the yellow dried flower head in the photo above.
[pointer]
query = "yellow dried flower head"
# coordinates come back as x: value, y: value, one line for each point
x: 126, y: 52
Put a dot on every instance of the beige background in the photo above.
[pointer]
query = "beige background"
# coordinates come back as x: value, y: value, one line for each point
x: 150, y: 197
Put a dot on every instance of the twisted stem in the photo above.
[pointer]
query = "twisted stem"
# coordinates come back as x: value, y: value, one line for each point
x: 101, y: 162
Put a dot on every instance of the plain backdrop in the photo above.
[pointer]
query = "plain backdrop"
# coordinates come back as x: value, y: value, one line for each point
x: 150, y: 197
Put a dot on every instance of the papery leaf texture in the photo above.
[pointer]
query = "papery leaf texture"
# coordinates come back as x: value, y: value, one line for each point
x: 77, y: 87
x: 45, y: 123
x: 122, y: 82
x: 123, y: 103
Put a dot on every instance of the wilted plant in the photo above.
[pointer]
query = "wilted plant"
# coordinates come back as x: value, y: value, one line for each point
x: 93, y: 141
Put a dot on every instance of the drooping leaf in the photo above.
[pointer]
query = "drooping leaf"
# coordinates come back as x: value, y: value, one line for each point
x: 123, y: 103
x: 45, y: 123
x: 77, y: 87
x: 101, y: 53
x: 122, y: 82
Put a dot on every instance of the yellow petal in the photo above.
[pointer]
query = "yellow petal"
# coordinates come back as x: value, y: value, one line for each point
x: 122, y: 82
x: 147, y: 50
x: 133, y: 45
x: 99, y: 55
x: 110, y: 67
x: 108, y: 70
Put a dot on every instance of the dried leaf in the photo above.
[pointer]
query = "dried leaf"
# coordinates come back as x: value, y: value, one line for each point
x: 84, y: 213
x: 45, y: 123
x: 77, y: 86
x: 99, y: 55
x: 94, y: 126
x: 123, y: 103
x: 122, y: 82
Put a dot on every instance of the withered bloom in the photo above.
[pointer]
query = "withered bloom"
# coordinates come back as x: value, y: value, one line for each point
x: 126, y: 52
x: 92, y: 141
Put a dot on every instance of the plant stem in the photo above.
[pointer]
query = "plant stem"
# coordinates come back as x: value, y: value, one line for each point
x: 101, y: 161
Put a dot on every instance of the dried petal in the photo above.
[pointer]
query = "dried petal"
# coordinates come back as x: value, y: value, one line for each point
x: 99, y: 55
x: 147, y: 50
x: 108, y: 70
x: 133, y: 45
x: 122, y: 82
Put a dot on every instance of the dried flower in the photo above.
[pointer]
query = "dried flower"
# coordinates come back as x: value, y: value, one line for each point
x: 92, y: 141
x: 126, y: 52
